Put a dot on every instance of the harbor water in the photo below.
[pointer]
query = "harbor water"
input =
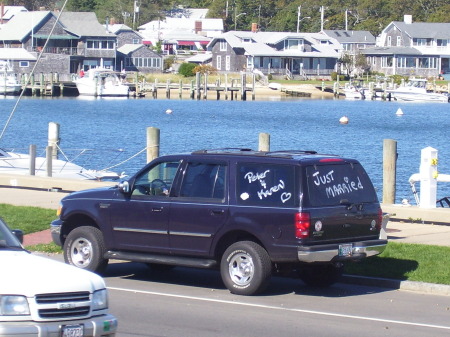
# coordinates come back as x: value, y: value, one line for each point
x: 115, y: 129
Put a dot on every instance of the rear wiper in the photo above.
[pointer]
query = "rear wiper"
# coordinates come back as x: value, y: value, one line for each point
x: 350, y: 205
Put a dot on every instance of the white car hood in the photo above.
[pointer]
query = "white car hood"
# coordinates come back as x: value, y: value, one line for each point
x: 22, y: 273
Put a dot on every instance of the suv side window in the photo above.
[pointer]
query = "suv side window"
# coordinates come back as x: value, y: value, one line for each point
x: 204, y: 180
x: 329, y: 184
x: 157, y: 180
x: 266, y: 185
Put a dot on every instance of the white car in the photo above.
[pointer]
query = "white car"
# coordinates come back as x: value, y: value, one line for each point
x: 42, y: 297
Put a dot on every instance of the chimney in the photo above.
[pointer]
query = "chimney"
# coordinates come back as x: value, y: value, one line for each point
x: 407, y: 19
x: 198, y: 27
x: 254, y: 27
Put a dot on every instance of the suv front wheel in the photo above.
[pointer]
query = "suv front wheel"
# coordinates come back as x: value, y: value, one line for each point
x: 84, y: 248
x: 246, y: 268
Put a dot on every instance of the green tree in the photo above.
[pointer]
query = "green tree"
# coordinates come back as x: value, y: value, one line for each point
x: 187, y: 69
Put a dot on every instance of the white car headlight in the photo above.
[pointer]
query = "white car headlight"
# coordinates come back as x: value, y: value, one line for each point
x: 12, y: 305
x: 100, y: 300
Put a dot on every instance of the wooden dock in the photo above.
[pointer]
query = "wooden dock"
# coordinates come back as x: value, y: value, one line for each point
x: 55, y: 85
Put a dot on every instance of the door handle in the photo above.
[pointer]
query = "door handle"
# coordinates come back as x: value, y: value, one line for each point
x: 217, y: 212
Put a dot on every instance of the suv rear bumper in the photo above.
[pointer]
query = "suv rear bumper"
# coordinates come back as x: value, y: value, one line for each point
x: 105, y: 325
x: 331, y: 252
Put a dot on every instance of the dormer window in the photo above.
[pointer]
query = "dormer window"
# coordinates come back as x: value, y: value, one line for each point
x: 293, y: 44
x: 223, y: 45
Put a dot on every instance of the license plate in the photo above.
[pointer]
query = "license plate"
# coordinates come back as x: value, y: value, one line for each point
x: 72, y: 331
x: 345, y: 250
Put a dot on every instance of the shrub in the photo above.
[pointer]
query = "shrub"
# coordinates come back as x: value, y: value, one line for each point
x: 168, y: 62
x: 187, y: 69
x: 205, y: 69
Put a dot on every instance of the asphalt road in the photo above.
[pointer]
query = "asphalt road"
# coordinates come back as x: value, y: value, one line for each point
x: 189, y: 302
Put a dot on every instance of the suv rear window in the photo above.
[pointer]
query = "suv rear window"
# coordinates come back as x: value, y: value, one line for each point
x: 329, y: 184
x: 266, y: 185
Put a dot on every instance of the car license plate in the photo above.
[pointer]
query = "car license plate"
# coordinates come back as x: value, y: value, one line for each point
x: 345, y: 250
x: 72, y: 331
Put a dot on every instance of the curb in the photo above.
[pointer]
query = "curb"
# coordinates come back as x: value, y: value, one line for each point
x: 422, y: 287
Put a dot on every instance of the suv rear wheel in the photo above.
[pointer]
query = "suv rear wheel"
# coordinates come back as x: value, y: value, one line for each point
x: 84, y: 248
x: 245, y: 268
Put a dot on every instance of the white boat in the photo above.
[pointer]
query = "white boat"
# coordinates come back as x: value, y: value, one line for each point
x: 102, y: 82
x: 18, y: 163
x: 415, y: 90
x: 353, y: 92
x: 8, y: 81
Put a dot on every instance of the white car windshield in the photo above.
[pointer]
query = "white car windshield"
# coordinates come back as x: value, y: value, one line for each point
x: 7, y: 239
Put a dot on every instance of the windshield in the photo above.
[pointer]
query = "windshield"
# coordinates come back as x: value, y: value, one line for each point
x: 7, y: 239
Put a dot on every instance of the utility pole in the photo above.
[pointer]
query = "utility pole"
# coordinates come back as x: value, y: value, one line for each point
x: 322, y: 10
x: 298, y: 17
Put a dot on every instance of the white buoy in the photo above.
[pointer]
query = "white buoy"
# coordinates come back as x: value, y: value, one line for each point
x: 343, y: 120
x: 399, y: 112
x: 168, y: 111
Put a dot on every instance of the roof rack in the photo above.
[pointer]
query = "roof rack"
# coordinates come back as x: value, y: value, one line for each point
x: 246, y: 151
x: 223, y: 150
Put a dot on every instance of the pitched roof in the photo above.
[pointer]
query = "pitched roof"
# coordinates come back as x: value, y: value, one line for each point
x: 432, y: 30
x: 262, y: 43
x: 391, y: 51
x: 17, y: 54
x: 80, y: 24
x: 83, y: 24
x: 351, y: 36
x: 21, y: 24
x: 10, y: 11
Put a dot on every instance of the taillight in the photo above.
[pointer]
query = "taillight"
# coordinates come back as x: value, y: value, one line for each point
x: 302, y: 224
x: 379, y: 219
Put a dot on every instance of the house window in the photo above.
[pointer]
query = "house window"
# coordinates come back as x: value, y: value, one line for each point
x: 24, y: 64
x: 406, y: 62
x: 223, y: 45
x: 442, y: 43
x: 389, y: 41
x: 386, y: 61
x: 293, y: 44
x: 100, y: 44
x: 399, y: 41
x: 227, y: 62
x: 136, y: 41
x: 143, y: 62
x: 427, y: 62
x: 421, y: 42
x: 250, y: 62
x: 219, y: 62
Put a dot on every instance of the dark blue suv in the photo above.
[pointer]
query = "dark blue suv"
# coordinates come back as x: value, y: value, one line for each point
x: 248, y: 213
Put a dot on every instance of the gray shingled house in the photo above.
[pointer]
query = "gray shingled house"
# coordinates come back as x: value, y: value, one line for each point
x: 412, y: 49
x: 77, y: 41
x: 279, y: 53
x: 132, y: 54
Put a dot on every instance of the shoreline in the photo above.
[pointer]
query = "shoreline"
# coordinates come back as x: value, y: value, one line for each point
x: 262, y: 93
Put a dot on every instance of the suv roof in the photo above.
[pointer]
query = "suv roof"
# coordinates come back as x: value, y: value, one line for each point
x: 285, y: 154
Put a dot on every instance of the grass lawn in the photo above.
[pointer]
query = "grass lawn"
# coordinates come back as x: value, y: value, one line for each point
x: 401, y: 261
x: 404, y: 261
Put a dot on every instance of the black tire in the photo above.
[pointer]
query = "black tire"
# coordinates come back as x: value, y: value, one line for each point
x: 246, y: 268
x: 85, y: 248
x: 321, y: 275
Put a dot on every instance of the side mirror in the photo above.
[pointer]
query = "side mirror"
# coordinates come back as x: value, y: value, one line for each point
x: 18, y: 234
x: 124, y: 187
